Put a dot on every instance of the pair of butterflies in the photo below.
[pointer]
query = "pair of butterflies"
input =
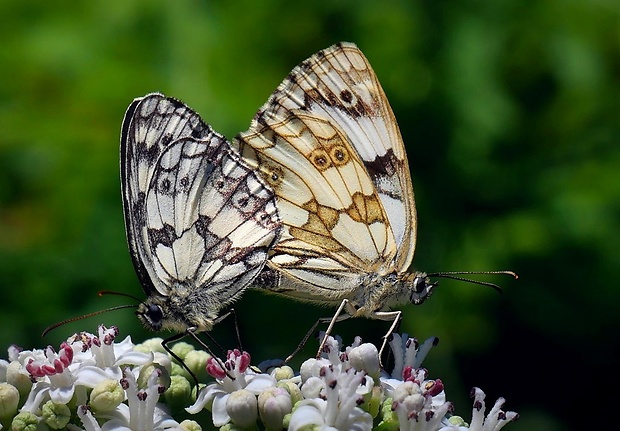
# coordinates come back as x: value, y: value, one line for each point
x: 314, y: 201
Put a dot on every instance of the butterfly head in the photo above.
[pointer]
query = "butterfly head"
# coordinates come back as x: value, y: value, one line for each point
x: 159, y: 313
x: 419, y: 287
x: 151, y: 315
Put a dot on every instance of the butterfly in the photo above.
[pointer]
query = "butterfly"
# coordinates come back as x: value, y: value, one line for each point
x: 199, y: 220
x: 328, y: 144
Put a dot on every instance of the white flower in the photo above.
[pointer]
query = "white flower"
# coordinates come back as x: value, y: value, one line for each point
x: 55, y: 373
x: 334, y: 389
x: 408, y: 352
x: 232, y: 375
x: 337, y: 407
x: 418, y: 406
x: 419, y: 403
x: 408, y: 355
x: 103, y: 352
x: 273, y: 405
x: 123, y: 384
x: 160, y: 421
x: 494, y: 421
x: 82, y: 362
x: 141, y: 413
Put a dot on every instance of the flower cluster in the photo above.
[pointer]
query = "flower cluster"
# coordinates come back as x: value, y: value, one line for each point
x: 95, y: 383
x: 92, y: 383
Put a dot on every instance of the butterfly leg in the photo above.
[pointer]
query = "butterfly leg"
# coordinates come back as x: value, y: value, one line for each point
x: 192, y: 333
x: 331, y: 320
x: 304, y: 340
x: 233, y: 313
x: 338, y: 317
x: 396, y: 317
x: 177, y: 337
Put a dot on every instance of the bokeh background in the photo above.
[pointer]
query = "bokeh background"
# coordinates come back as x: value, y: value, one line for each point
x: 510, y: 114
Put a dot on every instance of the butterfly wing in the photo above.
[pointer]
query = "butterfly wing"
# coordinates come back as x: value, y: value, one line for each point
x: 199, y: 222
x: 150, y: 124
x: 328, y: 143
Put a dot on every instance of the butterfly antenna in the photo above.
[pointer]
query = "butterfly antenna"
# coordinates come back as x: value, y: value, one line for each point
x: 85, y: 316
x: 454, y: 275
x: 111, y: 292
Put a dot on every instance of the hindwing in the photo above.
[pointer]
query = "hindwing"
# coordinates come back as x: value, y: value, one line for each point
x: 199, y: 221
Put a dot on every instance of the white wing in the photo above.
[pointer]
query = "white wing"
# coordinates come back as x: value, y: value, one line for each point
x: 199, y: 222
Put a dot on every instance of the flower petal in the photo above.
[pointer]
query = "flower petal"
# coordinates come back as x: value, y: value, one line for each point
x: 220, y: 415
x: 35, y: 397
x: 90, y: 376
x: 205, y: 396
x: 308, y: 413
x: 259, y: 383
x: 62, y: 395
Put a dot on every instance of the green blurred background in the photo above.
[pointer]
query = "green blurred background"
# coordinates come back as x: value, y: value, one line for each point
x: 510, y: 114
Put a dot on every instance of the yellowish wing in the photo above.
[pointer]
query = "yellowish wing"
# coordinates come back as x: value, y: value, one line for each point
x: 328, y: 143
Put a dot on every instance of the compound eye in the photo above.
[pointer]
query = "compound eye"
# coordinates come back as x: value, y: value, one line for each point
x: 419, y: 284
x: 155, y: 314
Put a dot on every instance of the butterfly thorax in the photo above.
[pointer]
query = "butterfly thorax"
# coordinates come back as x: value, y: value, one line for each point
x: 383, y: 292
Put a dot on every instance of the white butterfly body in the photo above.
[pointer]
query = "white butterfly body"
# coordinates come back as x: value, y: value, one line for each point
x: 199, y: 221
x: 328, y: 144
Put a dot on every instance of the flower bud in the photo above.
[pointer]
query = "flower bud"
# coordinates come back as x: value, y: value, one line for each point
x: 9, y: 399
x: 17, y: 376
x: 409, y: 396
x: 25, y: 421
x: 312, y: 387
x: 147, y: 370
x: 366, y: 358
x: 372, y: 401
x: 188, y: 425
x: 292, y: 389
x: 181, y: 349
x: 106, y: 395
x: 56, y: 416
x: 177, y: 369
x: 179, y: 392
x: 282, y: 373
x: 389, y: 418
x: 312, y: 367
x: 150, y: 345
x: 241, y: 406
x: 273, y: 404
x: 457, y: 421
x: 196, y: 360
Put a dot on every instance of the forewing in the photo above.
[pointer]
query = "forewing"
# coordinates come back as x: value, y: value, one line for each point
x: 328, y: 143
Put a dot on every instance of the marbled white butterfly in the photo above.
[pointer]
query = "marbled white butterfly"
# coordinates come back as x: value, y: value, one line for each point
x: 199, y: 221
x: 328, y: 144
